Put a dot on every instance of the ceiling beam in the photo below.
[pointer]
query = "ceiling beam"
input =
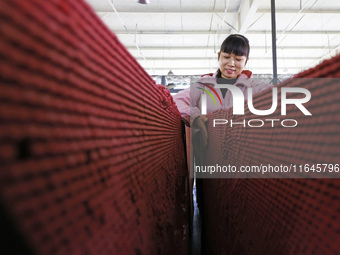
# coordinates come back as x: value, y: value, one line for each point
x: 212, y: 48
x: 204, y: 32
x: 246, y: 14
x: 215, y: 58
x: 221, y: 11
x: 293, y: 11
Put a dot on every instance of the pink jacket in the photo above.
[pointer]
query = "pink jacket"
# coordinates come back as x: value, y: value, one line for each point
x: 188, y: 101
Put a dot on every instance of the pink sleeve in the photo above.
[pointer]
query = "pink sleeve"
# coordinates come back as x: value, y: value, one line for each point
x: 182, y: 100
x: 257, y: 85
x: 260, y: 86
x: 188, y: 108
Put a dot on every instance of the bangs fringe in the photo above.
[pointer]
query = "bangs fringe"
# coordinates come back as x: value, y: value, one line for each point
x: 236, y: 45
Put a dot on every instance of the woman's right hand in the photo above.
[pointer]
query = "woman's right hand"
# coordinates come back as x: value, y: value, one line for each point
x: 200, y: 123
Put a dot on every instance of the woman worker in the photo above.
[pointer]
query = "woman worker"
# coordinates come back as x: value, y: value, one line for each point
x: 232, y: 58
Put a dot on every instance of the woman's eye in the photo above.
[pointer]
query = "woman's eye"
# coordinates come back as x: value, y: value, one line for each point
x: 226, y: 57
x: 238, y: 59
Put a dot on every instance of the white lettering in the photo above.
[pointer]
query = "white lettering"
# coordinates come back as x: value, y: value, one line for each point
x: 262, y: 112
x: 238, y: 123
x: 298, y: 101
x: 219, y: 122
x: 289, y: 120
x: 262, y: 123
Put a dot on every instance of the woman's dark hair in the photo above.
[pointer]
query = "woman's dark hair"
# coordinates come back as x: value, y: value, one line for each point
x: 236, y: 44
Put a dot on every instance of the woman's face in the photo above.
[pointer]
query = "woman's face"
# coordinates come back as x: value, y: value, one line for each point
x: 231, y: 65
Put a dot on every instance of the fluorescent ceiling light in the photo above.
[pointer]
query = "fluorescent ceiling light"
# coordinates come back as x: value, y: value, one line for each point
x: 143, y: 1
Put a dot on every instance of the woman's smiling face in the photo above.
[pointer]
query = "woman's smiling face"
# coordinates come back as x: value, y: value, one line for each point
x: 231, y: 65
